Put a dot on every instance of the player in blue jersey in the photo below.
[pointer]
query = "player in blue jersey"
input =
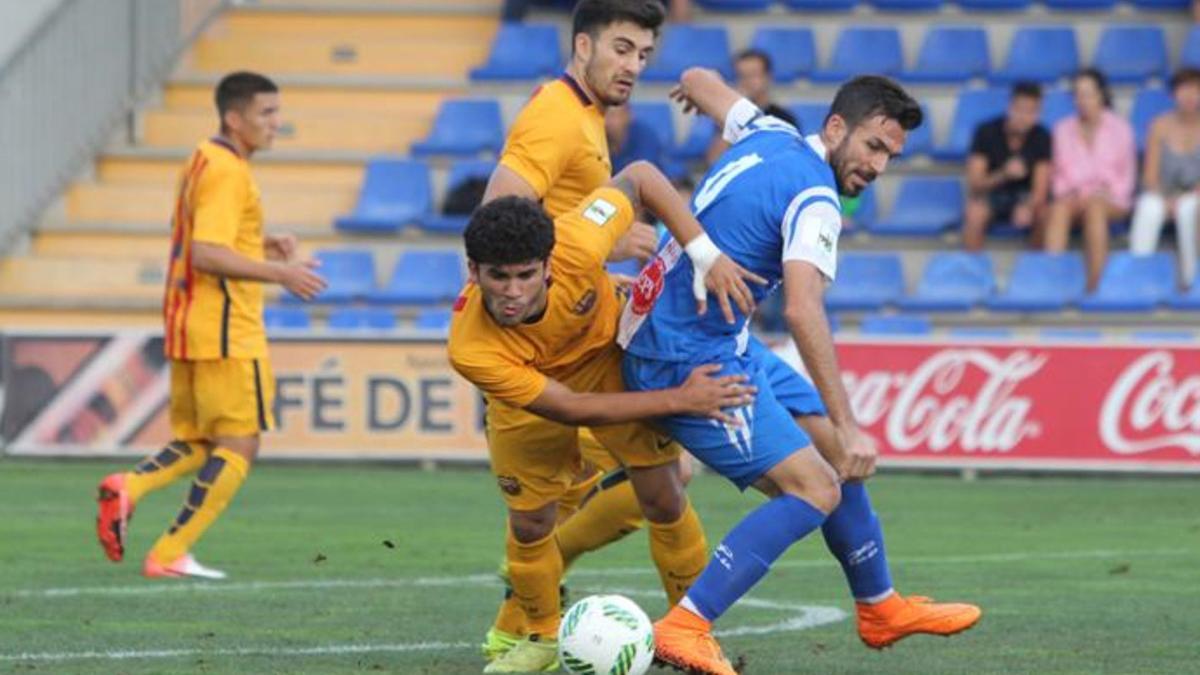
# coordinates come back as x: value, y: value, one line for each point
x: 771, y: 202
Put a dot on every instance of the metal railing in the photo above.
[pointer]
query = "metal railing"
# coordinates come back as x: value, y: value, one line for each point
x: 68, y: 86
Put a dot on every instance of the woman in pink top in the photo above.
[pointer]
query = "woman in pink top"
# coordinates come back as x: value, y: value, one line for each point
x: 1093, y: 172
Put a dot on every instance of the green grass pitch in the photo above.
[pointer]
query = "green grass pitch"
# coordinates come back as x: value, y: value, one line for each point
x: 367, y: 568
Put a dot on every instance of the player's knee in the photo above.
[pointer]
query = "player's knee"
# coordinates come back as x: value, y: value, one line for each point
x: 663, y: 504
x: 687, y: 469
x: 245, y: 446
x: 530, y: 526
x: 820, y: 489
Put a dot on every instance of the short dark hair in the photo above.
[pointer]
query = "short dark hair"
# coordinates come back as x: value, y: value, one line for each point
x: 592, y: 16
x: 1028, y: 89
x: 759, y: 54
x: 509, y: 231
x: 1184, y: 76
x: 869, y: 96
x: 237, y: 90
x: 1101, y: 81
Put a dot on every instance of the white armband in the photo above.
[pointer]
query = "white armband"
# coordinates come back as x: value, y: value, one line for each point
x: 738, y: 119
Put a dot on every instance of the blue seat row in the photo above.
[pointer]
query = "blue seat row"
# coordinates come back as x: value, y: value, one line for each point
x: 420, y: 277
x: 397, y: 193
x: 293, y: 318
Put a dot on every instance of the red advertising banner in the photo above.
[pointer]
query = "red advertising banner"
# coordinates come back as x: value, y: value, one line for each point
x: 1026, y: 405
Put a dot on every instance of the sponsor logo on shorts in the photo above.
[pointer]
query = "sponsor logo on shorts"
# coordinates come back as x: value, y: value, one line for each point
x: 509, y: 485
x: 586, y: 303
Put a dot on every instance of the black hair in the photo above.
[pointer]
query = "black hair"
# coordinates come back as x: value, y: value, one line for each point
x: 869, y: 96
x: 592, y: 16
x: 509, y: 231
x: 759, y: 54
x: 1101, y: 81
x: 1028, y: 89
x: 1184, y: 76
x: 237, y: 90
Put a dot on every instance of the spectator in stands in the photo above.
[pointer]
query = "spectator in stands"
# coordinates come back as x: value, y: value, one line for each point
x: 1008, y: 169
x: 1171, y: 177
x: 630, y: 139
x: 752, y: 68
x: 1094, y: 167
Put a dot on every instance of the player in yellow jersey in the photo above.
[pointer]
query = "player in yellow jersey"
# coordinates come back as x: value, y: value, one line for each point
x: 222, y: 387
x: 534, y: 330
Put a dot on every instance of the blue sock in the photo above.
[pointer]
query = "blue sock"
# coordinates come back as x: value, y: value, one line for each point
x: 747, y: 552
x: 854, y: 537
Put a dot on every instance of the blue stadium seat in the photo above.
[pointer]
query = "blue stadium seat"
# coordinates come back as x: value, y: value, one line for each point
x: 974, y: 106
x: 735, y: 5
x: 1042, y: 282
x: 1079, y: 5
x: 350, y: 274
x: 1132, y: 283
x: 1040, y: 53
x: 861, y: 50
x: 1186, y: 336
x: 460, y: 171
x: 1186, y: 300
x: 395, y: 192
x: 951, y: 54
x: 522, y: 51
x: 1190, y: 54
x: 952, y: 282
x: 907, y: 5
x: 792, y: 50
x: 811, y: 115
x: 1131, y: 53
x: 980, y: 332
x: 423, y: 277
x: 435, y: 318
x: 865, y: 281
x: 658, y: 116
x: 361, y: 318
x: 868, y: 210
x: 920, y: 140
x: 1148, y: 104
x: 1071, y: 334
x: 283, y: 318
x: 1162, y: 4
x: 1056, y: 104
x: 924, y: 206
x: 684, y: 46
x: 898, y: 324
x: 821, y: 5
x: 994, y: 5
x: 700, y: 135
x: 464, y: 127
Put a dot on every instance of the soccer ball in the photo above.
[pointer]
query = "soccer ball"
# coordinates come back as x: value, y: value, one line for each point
x: 606, y: 635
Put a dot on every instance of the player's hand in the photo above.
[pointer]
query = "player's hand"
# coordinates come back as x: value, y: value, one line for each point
x: 727, y: 279
x: 704, y: 395
x: 688, y: 81
x: 858, y: 454
x: 281, y: 247
x: 640, y: 242
x: 299, y: 278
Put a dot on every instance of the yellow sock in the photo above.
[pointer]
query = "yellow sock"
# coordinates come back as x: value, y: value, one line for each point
x: 510, y: 618
x: 214, y: 487
x: 536, y: 570
x: 176, y: 460
x: 608, y: 516
x: 680, y: 553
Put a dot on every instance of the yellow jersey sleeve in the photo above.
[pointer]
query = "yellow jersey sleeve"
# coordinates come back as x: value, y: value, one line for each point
x: 586, y: 235
x: 503, y: 379
x: 540, y: 146
x: 219, y: 202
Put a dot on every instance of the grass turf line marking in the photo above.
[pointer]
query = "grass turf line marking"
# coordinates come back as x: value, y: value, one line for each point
x: 804, y: 616
x: 327, y: 650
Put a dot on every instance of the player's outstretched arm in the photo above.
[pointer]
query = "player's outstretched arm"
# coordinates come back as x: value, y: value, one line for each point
x: 703, y: 90
x: 296, y: 276
x: 804, y: 312
x: 703, y: 394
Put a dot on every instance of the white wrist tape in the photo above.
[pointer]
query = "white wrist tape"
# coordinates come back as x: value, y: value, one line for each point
x: 703, y: 253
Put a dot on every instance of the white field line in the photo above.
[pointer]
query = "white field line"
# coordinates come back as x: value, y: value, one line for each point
x: 327, y: 650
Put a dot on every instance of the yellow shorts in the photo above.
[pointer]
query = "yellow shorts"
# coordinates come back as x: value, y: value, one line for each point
x: 221, y: 397
x: 536, y: 461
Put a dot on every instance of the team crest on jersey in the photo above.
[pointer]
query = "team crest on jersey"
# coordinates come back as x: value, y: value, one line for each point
x: 586, y: 303
x: 648, y: 287
x: 600, y: 211
x: 509, y: 485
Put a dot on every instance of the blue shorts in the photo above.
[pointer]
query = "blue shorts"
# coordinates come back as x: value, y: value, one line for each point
x: 768, y: 433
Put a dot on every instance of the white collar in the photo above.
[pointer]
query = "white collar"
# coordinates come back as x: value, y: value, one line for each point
x: 814, y: 142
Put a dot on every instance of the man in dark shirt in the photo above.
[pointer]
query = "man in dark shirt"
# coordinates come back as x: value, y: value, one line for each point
x: 1008, y: 169
x: 753, y: 70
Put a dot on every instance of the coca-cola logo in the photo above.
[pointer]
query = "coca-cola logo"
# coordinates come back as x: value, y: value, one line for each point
x: 1148, y: 409
x: 955, y: 399
x: 648, y: 286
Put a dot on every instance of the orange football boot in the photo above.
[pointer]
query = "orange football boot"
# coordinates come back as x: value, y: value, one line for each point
x: 882, y: 624
x: 684, y: 640
x: 114, y: 512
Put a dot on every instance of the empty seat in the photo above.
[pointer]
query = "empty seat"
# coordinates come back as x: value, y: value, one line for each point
x: 865, y: 214
x: 435, y: 318
x: 1081, y: 5
x: 981, y: 332
x: 350, y: 274
x: 1042, y: 54
x: 925, y: 205
x: 1147, y: 104
x: 1164, y: 336
x: 792, y: 50
x: 810, y: 115
x: 863, y: 51
x: 700, y: 135
x: 974, y: 106
x: 277, y: 318
x: 684, y: 46
x: 951, y: 54
x: 1190, y: 54
x: 423, y: 277
x: 920, y: 140
x: 1132, y: 283
x: 735, y: 5
x: 460, y: 172
x: 361, y: 318
x: 522, y: 51
x: 1056, y: 104
x: 1042, y: 282
x: 464, y: 127
x: 899, y: 324
x: 952, y: 282
x: 395, y: 192
x: 658, y: 117
x: 1186, y: 300
x: 1131, y: 53
x: 1162, y: 4
x: 995, y: 5
x: 865, y: 281
x: 907, y: 5
x: 821, y: 5
x: 1071, y: 334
